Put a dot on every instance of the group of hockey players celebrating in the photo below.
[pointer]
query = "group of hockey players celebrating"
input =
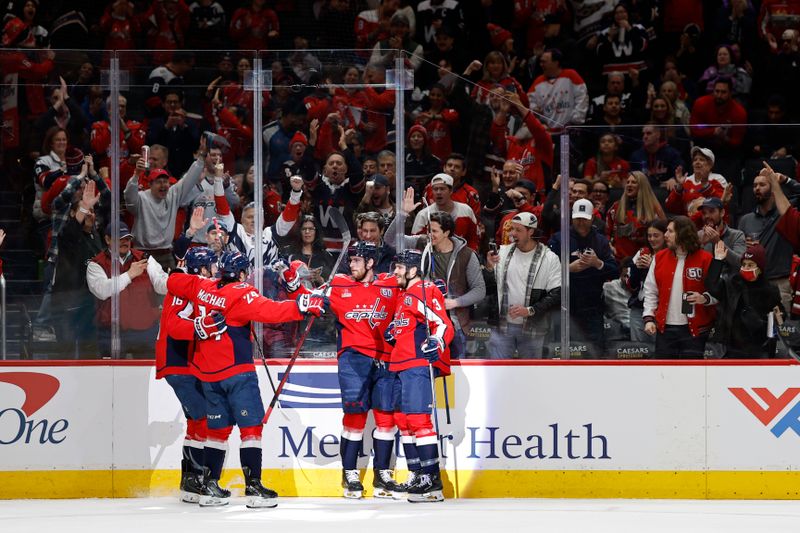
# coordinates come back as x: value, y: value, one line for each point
x: 393, y: 341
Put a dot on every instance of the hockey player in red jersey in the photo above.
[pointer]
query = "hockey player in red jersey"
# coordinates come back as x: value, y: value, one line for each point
x: 223, y: 361
x: 364, y: 304
x: 421, y: 332
x: 174, y: 347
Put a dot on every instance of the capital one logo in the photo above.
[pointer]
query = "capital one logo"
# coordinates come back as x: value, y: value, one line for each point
x: 774, y: 406
x: 17, y: 424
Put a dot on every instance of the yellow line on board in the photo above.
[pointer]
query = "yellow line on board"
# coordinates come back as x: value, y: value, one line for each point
x: 464, y: 484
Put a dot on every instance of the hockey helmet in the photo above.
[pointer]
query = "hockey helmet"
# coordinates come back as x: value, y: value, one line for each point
x: 409, y: 258
x: 367, y: 250
x: 199, y: 257
x: 231, y: 264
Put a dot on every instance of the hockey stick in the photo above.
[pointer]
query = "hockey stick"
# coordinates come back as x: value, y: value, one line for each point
x: 789, y: 350
x: 432, y: 272
x: 263, y: 361
x: 341, y: 223
x: 428, y: 328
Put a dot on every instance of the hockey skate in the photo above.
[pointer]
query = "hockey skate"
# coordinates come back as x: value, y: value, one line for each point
x: 212, y: 494
x: 191, y: 483
x: 258, y: 496
x: 351, y: 483
x: 386, y: 487
x: 413, y: 477
x: 427, y: 488
x: 191, y: 487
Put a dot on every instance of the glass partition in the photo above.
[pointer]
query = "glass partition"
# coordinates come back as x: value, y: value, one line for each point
x: 339, y: 121
x: 186, y: 170
x: 57, y: 201
x: 329, y: 118
x: 660, y: 190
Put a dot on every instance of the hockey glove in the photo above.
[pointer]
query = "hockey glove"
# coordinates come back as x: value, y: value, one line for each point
x: 312, y: 303
x: 430, y: 349
x: 210, y: 325
x: 441, y: 285
x: 388, y: 335
x: 278, y: 265
x: 292, y: 275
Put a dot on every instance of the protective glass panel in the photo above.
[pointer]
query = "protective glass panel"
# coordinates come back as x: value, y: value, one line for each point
x: 664, y: 190
x: 185, y: 171
x: 329, y: 119
x: 56, y: 202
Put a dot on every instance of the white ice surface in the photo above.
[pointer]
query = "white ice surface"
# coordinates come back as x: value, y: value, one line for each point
x: 331, y: 515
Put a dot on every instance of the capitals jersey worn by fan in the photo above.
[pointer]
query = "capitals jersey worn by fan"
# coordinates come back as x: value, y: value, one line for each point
x: 232, y: 352
x: 414, y: 309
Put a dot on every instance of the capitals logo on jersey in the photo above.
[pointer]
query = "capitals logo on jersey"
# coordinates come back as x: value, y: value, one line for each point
x: 373, y: 314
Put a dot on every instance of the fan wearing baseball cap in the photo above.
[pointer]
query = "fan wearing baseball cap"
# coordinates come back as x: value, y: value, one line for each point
x: 155, y: 208
x: 591, y: 264
x: 463, y: 215
x: 745, y: 300
x: 527, y: 278
x: 702, y: 183
x: 141, y: 279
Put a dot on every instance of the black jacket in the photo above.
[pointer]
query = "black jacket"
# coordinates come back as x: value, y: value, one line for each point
x: 742, y: 310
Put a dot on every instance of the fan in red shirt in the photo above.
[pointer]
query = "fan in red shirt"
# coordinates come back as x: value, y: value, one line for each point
x: 455, y: 166
x: 438, y: 121
x: 254, y: 27
x: 726, y: 116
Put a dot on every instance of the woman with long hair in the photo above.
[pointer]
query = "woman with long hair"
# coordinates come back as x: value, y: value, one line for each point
x: 49, y: 166
x: 496, y: 72
x: 725, y: 67
x: 627, y: 220
x: 640, y: 264
x: 607, y: 165
x: 306, y: 246
x: 669, y: 90
x: 662, y: 113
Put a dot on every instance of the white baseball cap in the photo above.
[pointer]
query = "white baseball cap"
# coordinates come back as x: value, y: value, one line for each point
x: 583, y: 208
x: 443, y: 178
x: 526, y: 219
x: 705, y: 152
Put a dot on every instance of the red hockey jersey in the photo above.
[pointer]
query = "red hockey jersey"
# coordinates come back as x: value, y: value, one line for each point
x: 413, y: 311
x: 364, y: 311
x: 216, y: 359
x: 175, y: 341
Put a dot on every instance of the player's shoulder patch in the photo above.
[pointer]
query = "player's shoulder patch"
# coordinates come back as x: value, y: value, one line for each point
x: 387, y: 281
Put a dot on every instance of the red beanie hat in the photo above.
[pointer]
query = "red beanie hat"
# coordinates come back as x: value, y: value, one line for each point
x: 299, y: 137
x: 757, y: 254
x: 498, y: 35
x: 420, y: 128
x: 74, y: 160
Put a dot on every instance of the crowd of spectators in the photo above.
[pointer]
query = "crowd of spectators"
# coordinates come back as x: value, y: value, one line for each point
x: 654, y: 97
